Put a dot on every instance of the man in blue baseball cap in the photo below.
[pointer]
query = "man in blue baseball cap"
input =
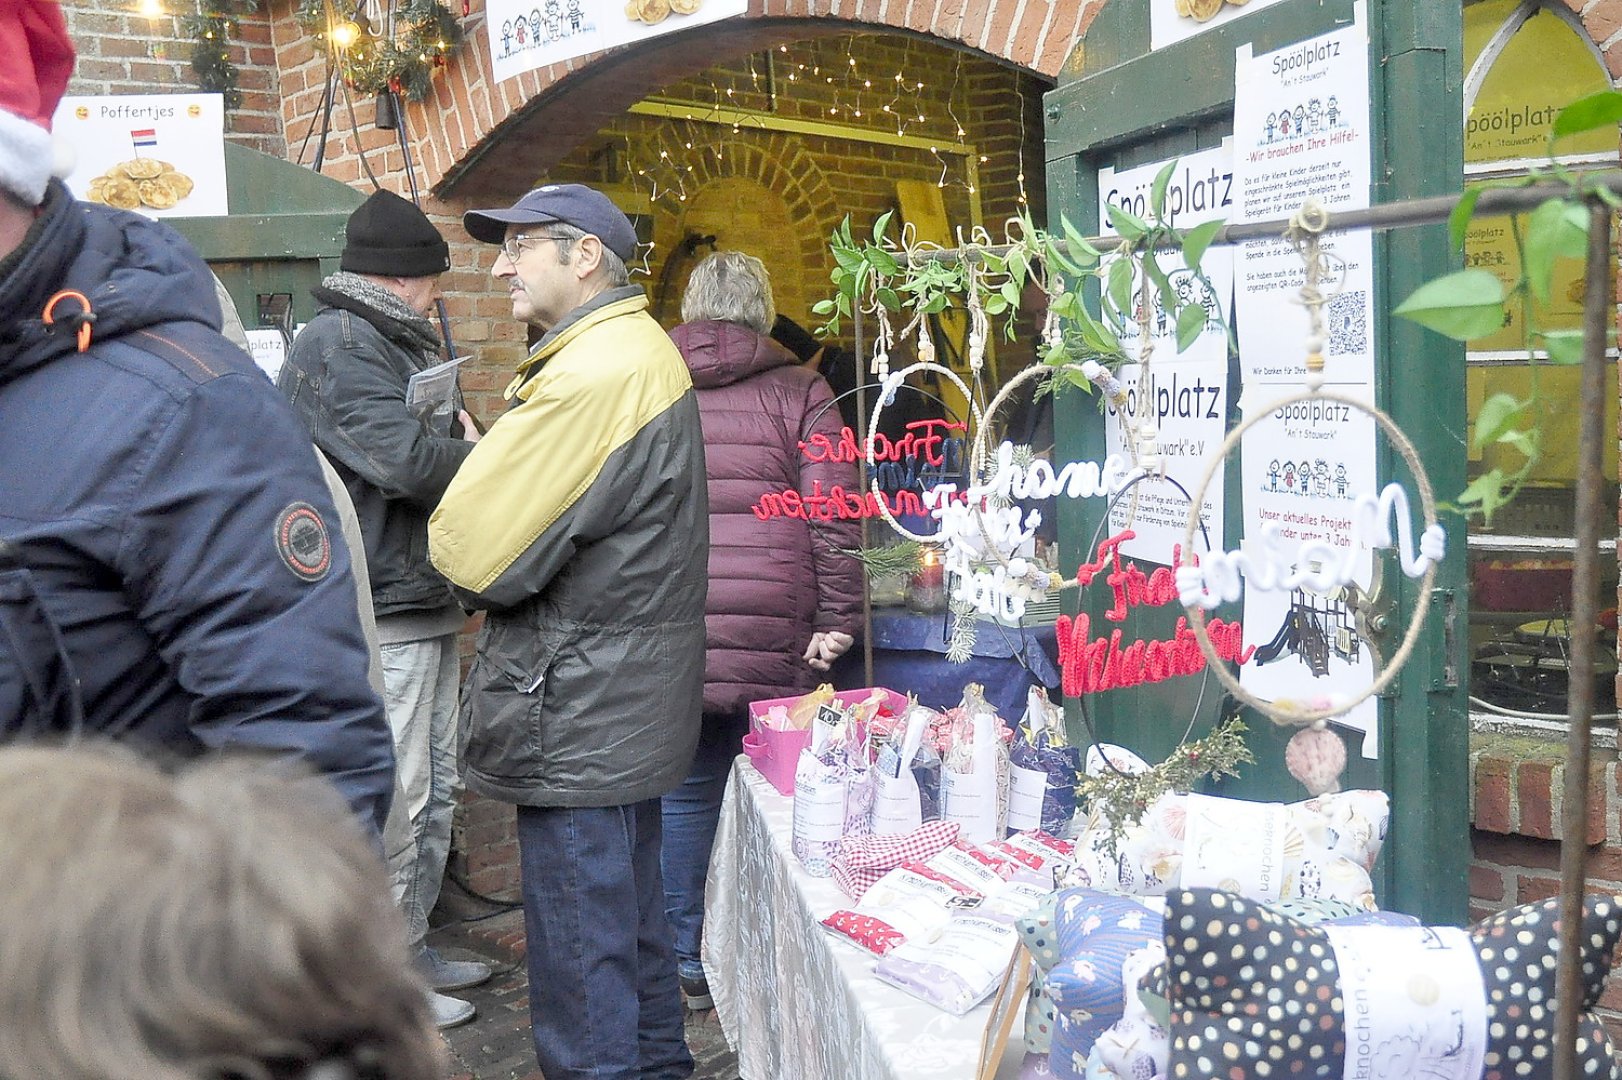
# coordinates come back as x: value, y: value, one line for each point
x: 580, y: 522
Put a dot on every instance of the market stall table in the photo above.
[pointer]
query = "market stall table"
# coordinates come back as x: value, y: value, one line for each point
x: 795, y: 1002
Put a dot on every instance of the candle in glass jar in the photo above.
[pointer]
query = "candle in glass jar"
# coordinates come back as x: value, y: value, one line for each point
x: 926, y: 591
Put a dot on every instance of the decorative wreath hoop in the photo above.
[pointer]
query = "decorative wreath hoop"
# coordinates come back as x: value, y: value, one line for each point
x: 892, y: 381
x: 977, y: 457
x: 1291, y: 714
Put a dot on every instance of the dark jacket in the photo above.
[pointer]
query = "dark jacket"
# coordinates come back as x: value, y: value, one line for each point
x: 580, y: 522
x: 346, y: 377
x: 170, y: 515
x: 773, y: 583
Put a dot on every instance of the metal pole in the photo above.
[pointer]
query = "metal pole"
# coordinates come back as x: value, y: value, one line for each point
x: 861, y: 466
x: 398, y: 109
x: 1598, y: 314
x: 1493, y: 202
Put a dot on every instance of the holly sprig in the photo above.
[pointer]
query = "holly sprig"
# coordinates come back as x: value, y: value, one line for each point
x: 1475, y: 302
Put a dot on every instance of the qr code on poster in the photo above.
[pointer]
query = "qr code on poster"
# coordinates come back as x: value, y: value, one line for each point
x: 1348, y: 324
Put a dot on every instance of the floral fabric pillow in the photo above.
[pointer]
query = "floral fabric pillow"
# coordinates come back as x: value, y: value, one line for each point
x: 1322, y: 847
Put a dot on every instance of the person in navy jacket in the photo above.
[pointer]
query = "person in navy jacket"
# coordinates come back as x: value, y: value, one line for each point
x: 166, y: 529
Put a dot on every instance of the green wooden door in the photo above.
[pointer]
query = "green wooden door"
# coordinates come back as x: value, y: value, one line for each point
x: 285, y: 231
x: 1121, y: 104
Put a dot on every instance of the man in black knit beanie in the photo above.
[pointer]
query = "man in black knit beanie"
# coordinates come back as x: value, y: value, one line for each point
x: 348, y: 377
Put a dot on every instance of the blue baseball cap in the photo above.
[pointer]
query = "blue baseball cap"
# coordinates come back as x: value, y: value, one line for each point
x: 572, y: 204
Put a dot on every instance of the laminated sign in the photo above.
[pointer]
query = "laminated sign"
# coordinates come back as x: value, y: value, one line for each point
x: 162, y: 155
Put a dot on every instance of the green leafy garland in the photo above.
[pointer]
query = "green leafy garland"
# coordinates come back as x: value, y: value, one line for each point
x: 426, y: 35
x: 1117, y: 800
x: 211, y: 31
x: 884, y: 277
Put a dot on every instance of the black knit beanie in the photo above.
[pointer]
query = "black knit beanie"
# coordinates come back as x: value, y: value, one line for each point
x: 388, y: 235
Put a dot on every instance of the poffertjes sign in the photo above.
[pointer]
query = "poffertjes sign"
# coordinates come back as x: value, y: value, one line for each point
x: 162, y: 155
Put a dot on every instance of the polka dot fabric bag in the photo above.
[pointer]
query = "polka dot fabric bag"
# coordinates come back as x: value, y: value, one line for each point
x: 1255, y: 993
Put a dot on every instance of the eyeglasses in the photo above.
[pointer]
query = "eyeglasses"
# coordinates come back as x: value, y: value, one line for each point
x: 510, y: 246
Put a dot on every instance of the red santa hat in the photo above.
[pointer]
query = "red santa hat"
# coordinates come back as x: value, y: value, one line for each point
x: 34, y: 75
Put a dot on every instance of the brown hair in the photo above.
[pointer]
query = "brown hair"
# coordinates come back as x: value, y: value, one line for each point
x: 230, y: 920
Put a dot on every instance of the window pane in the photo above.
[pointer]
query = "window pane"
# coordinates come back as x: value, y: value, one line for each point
x: 1481, y: 21
x: 1543, y: 68
x: 1490, y: 245
x: 1558, y: 416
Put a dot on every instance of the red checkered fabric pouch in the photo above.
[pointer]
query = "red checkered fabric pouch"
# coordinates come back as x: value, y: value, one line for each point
x: 862, y: 860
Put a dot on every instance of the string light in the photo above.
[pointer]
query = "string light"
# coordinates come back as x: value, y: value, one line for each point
x: 345, y: 34
x: 925, y: 107
x: 150, y: 9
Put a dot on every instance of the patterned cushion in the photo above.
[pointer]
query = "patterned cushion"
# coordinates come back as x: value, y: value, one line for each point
x: 1251, y: 985
x: 1096, y: 935
x: 1321, y: 847
x: 1039, y: 931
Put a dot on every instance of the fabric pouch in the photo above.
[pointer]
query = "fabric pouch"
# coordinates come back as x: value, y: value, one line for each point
x: 956, y: 970
x: 862, y: 860
x: 910, y: 901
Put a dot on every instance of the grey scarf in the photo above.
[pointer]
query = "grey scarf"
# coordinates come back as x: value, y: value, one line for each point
x: 413, y: 330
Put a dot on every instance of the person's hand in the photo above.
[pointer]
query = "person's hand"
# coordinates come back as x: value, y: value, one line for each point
x: 826, y: 647
x: 470, y: 430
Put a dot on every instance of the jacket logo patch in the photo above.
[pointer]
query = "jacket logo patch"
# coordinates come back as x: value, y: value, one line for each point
x: 302, y: 541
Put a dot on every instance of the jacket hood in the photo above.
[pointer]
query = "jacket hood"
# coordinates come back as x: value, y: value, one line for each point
x: 135, y: 272
x: 722, y: 353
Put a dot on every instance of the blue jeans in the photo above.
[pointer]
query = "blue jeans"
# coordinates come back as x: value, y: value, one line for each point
x: 691, y: 813
x: 604, y: 1000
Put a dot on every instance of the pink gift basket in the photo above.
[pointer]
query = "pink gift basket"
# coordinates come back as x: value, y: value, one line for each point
x: 775, y: 754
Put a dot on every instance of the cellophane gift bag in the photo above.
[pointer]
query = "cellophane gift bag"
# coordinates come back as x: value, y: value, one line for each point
x: 901, y: 802
x: 974, y: 770
x: 833, y: 790
x: 1043, y: 770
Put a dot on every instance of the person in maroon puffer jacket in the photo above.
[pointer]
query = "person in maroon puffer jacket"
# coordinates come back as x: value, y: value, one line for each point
x: 784, y: 600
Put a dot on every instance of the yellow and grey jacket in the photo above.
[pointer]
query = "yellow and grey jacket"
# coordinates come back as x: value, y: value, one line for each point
x: 581, y: 522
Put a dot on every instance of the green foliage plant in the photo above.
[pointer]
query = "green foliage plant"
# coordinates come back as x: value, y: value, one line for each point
x: 1474, y: 302
x: 885, y: 276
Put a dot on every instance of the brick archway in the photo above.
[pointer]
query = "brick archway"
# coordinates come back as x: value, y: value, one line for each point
x: 780, y: 167
x: 553, y: 109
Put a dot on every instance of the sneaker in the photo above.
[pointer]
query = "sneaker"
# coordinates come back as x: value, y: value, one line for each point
x: 695, y: 987
x: 443, y: 974
x: 449, y: 1011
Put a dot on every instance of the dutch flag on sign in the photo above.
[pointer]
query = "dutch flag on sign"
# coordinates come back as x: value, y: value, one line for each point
x: 145, y: 139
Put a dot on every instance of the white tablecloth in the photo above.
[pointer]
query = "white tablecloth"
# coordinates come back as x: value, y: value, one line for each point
x: 796, y: 1002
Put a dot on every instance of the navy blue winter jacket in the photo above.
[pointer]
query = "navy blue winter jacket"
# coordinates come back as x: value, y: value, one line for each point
x: 166, y: 511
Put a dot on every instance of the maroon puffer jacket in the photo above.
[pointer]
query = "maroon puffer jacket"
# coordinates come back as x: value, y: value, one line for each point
x: 773, y: 583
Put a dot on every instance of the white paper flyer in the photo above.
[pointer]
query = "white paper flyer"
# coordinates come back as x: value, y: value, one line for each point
x: 1302, y: 131
x: 1187, y: 397
x: 1171, y: 21
x: 528, y: 34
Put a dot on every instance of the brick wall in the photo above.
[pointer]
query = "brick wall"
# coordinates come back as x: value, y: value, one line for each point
x: 124, y: 53
x: 803, y: 184
x: 1516, y: 806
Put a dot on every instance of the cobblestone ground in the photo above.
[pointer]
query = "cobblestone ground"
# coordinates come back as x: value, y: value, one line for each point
x: 496, y: 1045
